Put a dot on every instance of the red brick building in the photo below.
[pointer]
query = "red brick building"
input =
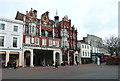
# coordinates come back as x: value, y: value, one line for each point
x: 68, y: 41
x: 47, y: 41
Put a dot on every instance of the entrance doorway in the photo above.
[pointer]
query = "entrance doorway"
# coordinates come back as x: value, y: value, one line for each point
x: 43, y: 57
x: 27, y: 58
x: 58, y: 58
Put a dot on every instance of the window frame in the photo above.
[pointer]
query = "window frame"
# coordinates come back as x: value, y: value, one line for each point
x: 50, y: 43
x: 15, y: 41
x: 44, y: 42
x: 14, y: 28
x: 37, y: 40
x: 1, y: 26
x: 27, y: 39
x: 3, y: 41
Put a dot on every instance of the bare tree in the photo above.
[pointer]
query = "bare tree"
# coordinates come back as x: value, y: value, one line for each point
x: 113, y: 44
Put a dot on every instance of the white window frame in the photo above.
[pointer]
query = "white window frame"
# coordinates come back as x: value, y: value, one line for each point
x: 83, y: 53
x: 33, y: 40
x: 88, y: 53
x: 26, y: 40
x: 50, y: 43
x: 44, y: 42
x: 37, y: 40
x: 82, y: 45
x: 13, y: 42
x: 53, y: 42
x: 4, y: 41
x: 17, y: 41
x: 17, y: 28
x: 32, y: 29
x: 15, y: 25
x: 4, y: 26
x: 57, y: 43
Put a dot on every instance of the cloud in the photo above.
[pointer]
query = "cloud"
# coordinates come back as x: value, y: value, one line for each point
x: 98, y: 17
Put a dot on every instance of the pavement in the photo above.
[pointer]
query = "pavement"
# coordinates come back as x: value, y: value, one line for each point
x: 83, y: 71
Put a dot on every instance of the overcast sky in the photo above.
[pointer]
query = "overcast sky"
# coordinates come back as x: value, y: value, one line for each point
x: 96, y: 17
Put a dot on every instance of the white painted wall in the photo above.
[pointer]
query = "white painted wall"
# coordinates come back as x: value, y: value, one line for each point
x: 82, y: 48
x: 9, y: 33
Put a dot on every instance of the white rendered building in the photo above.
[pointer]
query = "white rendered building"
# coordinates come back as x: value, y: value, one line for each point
x: 84, y: 54
x: 11, y: 37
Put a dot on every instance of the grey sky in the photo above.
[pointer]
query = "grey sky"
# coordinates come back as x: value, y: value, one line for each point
x: 96, y: 17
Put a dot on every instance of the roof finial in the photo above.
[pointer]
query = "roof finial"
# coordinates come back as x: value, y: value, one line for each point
x: 56, y: 12
x: 31, y: 9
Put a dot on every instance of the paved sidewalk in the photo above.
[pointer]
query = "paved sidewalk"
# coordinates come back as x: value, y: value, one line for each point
x: 84, y: 71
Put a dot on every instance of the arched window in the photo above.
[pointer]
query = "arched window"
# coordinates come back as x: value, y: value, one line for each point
x: 26, y: 29
x: 46, y: 33
x: 37, y: 31
x: 42, y: 32
x: 83, y: 53
x: 50, y: 34
x: 56, y: 34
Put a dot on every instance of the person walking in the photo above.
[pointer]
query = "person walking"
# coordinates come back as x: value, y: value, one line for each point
x: 14, y: 65
x: 56, y: 65
x: 8, y: 64
x: 77, y: 62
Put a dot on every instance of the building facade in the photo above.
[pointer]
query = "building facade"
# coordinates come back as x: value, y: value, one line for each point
x: 47, y: 41
x: 84, y: 54
x: 98, y: 49
x: 68, y: 41
x: 41, y: 44
x: 11, y: 36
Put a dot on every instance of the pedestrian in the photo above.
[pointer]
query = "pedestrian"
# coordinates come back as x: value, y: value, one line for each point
x: 53, y: 63
x: 14, y: 65
x: 77, y: 62
x: 95, y: 60
x: 8, y: 64
x: 43, y: 64
x: 64, y: 63
x: 56, y: 65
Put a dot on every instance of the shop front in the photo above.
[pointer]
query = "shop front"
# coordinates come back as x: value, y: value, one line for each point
x: 11, y: 57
